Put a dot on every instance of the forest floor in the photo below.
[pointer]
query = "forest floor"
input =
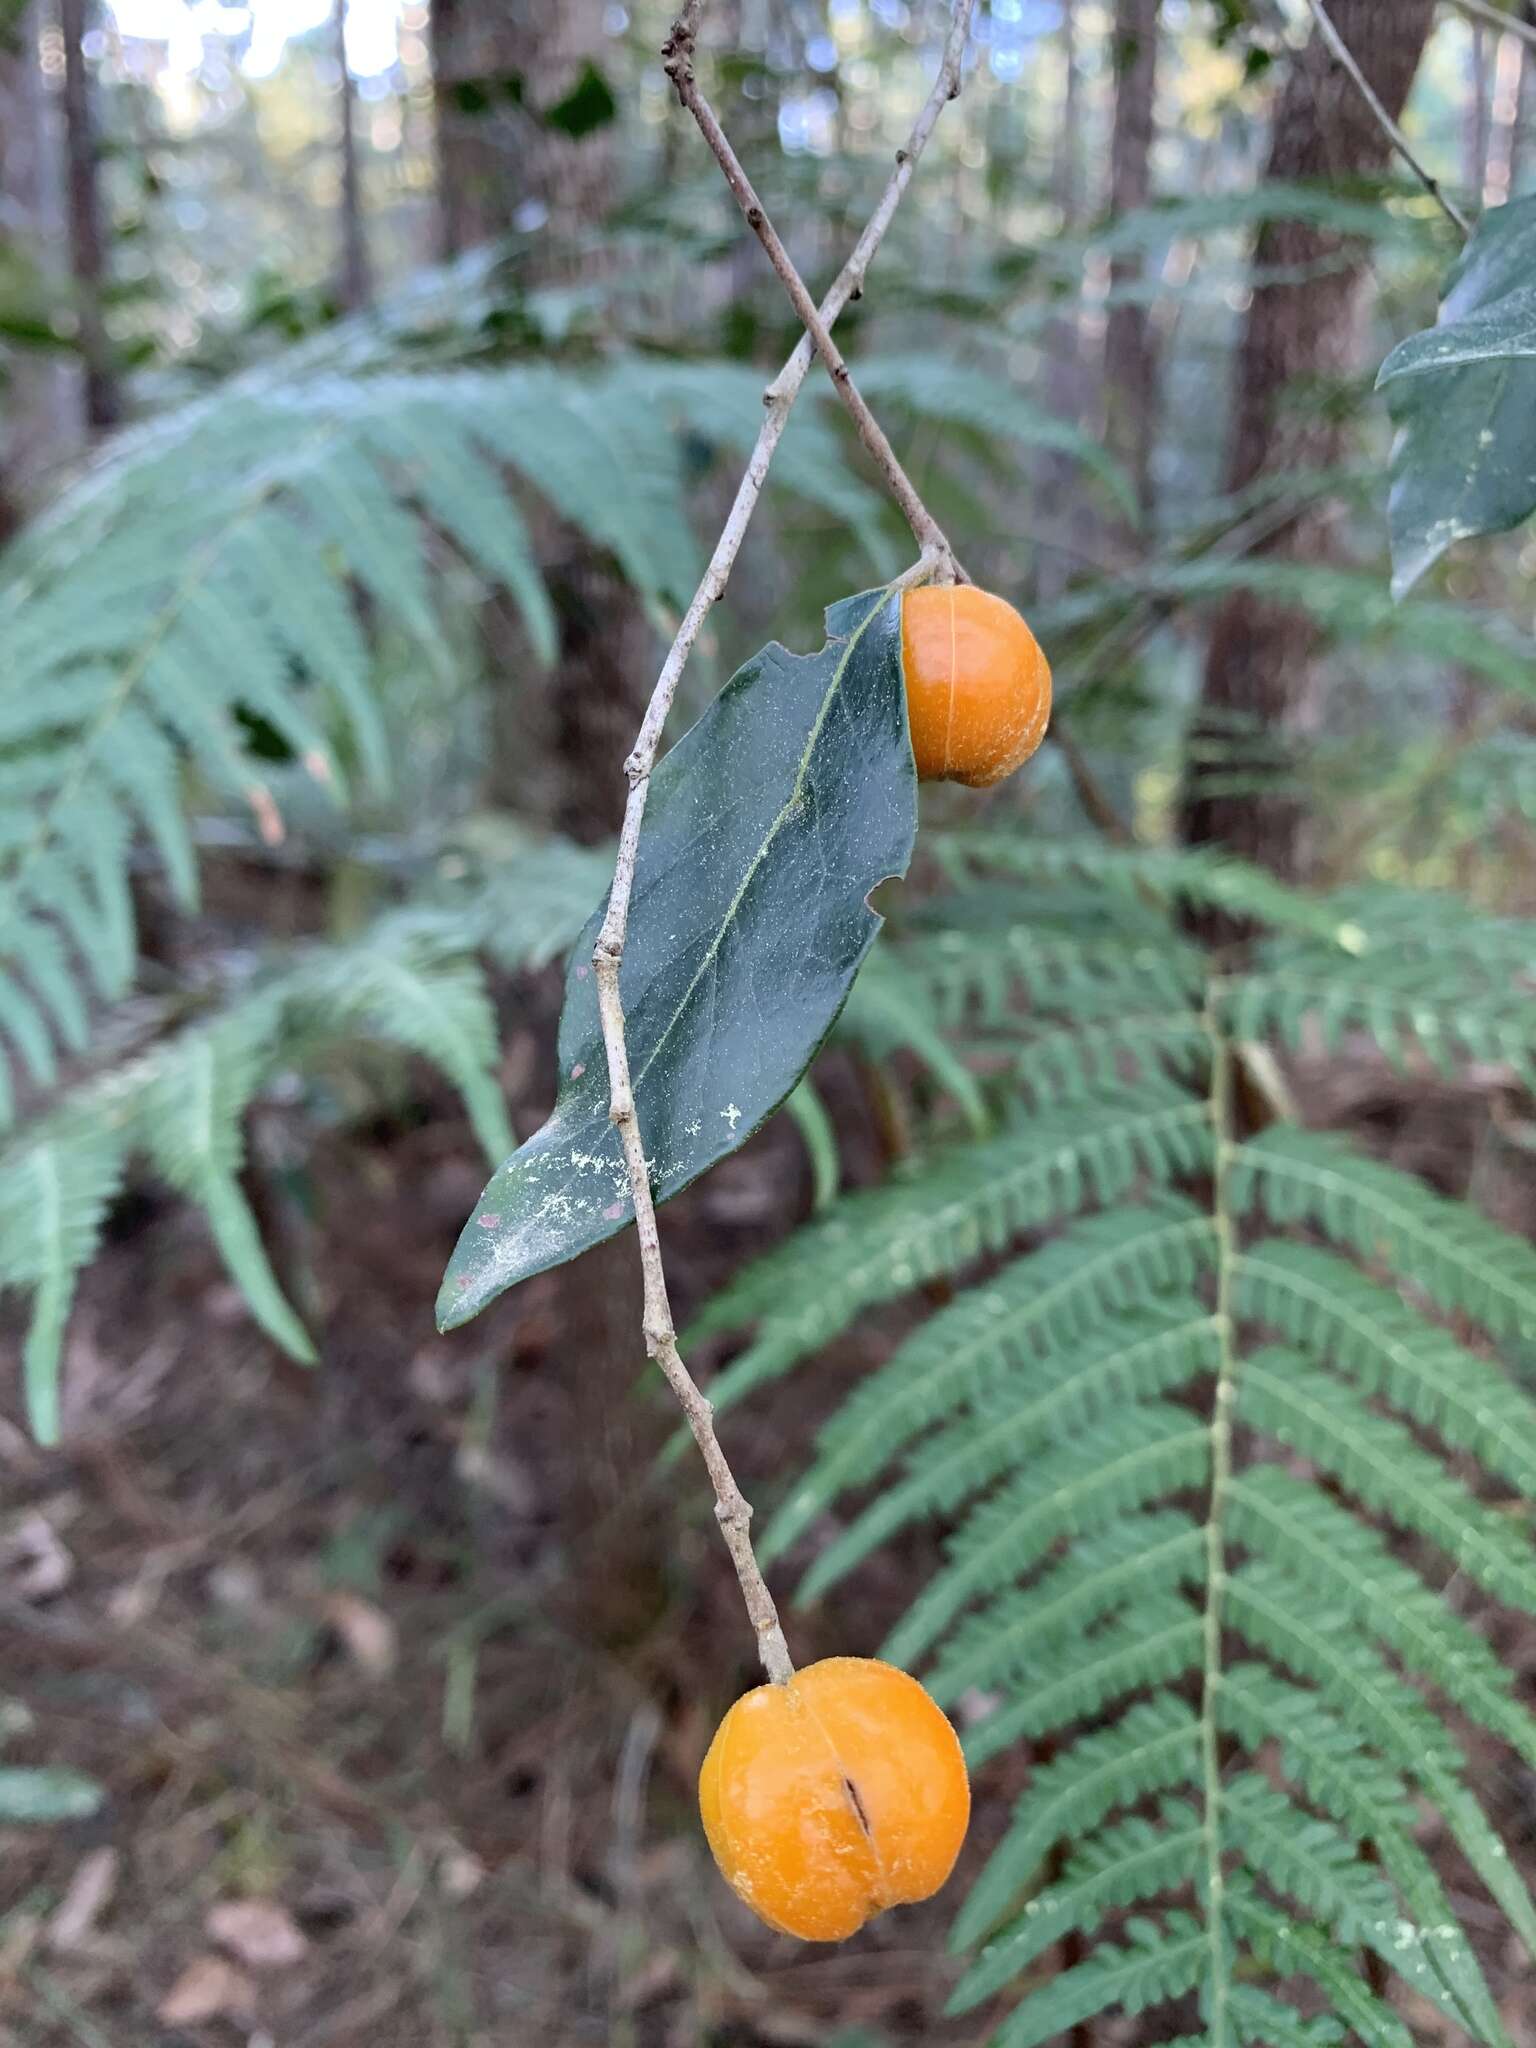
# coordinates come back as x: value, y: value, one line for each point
x: 418, y: 1653
x: 398, y: 1673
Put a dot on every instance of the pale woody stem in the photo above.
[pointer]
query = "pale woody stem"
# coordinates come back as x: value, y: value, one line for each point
x: 731, y: 1508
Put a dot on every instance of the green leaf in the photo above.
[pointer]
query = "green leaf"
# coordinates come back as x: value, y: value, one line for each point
x: 1294, y: 1949
x: 1154, y: 1965
x: 1124, y: 1864
x: 891, y: 1011
x: 190, y: 1123
x: 1052, y: 1300
x: 1164, y: 1344
x: 1507, y: 329
x: 749, y: 920
x: 53, y: 1198
x: 588, y: 106
x: 47, y: 1794
x: 1463, y: 396
x: 819, y: 1134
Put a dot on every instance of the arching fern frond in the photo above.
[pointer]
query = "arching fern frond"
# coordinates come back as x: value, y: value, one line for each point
x: 972, y: 1199
x: 1133, y: 1356
x: 1465, y: 1264
x: 413, y: 979
x: 1326, y: 1304
x: 204, y: 573
x: 976, y: 1353
x: 1163, y: 1443
x: 214, y: 568
x: 54, y: 1195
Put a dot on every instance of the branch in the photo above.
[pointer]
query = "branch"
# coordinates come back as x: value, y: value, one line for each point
x: 677, y: 53
x: 1511, y: 24
x: 731, y: 1507
x: 1091, y: 795
x: 1388, y: 126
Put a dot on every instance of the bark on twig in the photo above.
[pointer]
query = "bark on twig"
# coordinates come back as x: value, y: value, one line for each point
x: 731, y: 1507
x: 677, y: 53
x: 1388, y: 126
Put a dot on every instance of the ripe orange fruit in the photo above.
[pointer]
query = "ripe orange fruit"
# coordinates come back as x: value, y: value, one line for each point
x: 978, y: 687
x: 832, y: 1797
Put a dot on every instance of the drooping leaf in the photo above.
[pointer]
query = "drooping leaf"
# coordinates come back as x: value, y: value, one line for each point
x: 1463, y: 395
x: 767, y: 827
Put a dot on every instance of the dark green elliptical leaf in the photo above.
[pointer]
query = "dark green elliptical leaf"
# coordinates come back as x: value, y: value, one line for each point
x: 767, y: 827
x: 1463, y: 394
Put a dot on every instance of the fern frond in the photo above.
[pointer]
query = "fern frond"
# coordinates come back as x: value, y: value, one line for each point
x: 979, y: 979
x: 1155, y: 1963
x: 1352, y: 604
x: 1268, y: 2022
x: 1283, y: 1617
x: 1081, y: 1583
x: 1332, y: 1766
x: 1464, y: 1263
x: 208, y: 567
x: 1133, y: 1357
x: 1382, y: 1464
x: 410, y: 979
x: 1125, y: 1865
x: 53, y: 1199
x: 190, y: 1125
x: 1068, y: 1062
x: 880, y: 1243
x: 1058, y: 1295
x: 1158, y: 1641
x: 723, y: 403
x: 1312, y: 1862
x: 1129, y: 1559
x: 393, y: 990
x: 1294, y: 1948
x: 1123, y: 1461
x: 934, y: 387
x: 1153, y: 1747
x: 1329, y: 1306
x: 1444, y: 1008
x: 1304, y: 1532
x: 1166, y: 875
x: 891, y: 1011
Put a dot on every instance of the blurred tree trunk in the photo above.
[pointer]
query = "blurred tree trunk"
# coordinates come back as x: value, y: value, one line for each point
x: 354, y: 290
x: 40, y: 416
x: 1525, y: 103
x: 1476, y: 129
x: 1130, y: 369
x: 1069, y: 140
x: 1301, y: 332
x: 499, y: 166
x: 496, y: 66
x: 87, y: 239
x: 1063, y: 353
x: 1504, y: 133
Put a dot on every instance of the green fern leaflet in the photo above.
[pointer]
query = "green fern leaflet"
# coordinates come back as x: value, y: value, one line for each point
x: 1206, y: 1452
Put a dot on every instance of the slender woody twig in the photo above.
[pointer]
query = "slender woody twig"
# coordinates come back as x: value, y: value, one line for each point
x: 731, y: 1507
x: 1394, y: 134
x: 677, y: 53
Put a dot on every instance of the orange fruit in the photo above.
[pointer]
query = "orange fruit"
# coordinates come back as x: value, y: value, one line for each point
x: 832, y: 1797
x: 978, y: 687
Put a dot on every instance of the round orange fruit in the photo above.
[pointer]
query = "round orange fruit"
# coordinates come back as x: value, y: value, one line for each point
x: 978, y: 686
x: 831, y: 1797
